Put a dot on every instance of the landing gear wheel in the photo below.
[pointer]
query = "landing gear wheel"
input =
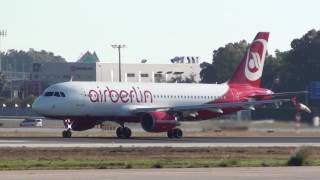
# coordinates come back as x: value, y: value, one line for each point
x: 66, y: 134
x: 119, y: 132
x: 123, y: 132
x: 177, y: 133
x: 170, y: 134
x: 126, y: 132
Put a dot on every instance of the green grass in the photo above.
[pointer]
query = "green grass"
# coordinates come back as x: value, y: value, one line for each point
x: 128, y: 164
x: 302, y: 156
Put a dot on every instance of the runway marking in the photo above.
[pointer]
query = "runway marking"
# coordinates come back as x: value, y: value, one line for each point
x: 160, y: 142
x: 243, y: 173
x: 13, y: 141
x: 130, y: 145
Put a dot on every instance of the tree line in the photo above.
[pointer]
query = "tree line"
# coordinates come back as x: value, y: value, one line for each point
x: 21, y: 61
x: 290, y: 70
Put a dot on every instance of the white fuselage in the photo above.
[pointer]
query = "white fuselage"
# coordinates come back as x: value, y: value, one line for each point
x: 118, y: 99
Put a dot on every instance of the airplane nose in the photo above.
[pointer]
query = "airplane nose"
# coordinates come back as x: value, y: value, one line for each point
x: 37, y: 106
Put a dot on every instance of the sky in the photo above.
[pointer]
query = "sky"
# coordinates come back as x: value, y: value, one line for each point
x: 156, y: 30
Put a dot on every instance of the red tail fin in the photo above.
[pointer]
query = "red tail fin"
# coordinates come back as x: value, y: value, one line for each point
x: 250, y: 68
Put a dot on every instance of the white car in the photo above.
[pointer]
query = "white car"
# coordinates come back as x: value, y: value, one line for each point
x: 29, y: 122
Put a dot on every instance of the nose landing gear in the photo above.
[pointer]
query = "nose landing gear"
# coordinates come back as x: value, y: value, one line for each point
x: 67, y: 133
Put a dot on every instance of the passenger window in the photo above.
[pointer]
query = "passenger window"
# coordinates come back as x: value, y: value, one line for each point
x: 57, y: 94
x: 48, y: 94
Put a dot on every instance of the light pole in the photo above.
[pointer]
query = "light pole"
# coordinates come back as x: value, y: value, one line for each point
x: 115, y: 46
x: 2, y: 34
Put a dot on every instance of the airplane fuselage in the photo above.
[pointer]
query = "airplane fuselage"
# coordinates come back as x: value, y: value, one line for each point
x: 159, y: 107
x: 107, y: 99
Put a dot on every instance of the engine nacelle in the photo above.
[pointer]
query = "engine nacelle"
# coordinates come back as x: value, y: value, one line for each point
x: 158, y: 121
x: 81, y: 125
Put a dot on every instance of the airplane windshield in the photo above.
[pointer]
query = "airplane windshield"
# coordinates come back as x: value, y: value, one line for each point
x: 48, y: 94
x: 57, y: 94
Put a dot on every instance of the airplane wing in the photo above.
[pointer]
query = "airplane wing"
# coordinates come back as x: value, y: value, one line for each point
x: 215, y: 107
x: 282, y: 94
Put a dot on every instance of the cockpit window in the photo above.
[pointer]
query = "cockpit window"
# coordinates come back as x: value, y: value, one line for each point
x: 62, y: 94
x: 57, y: 94
x: 48, y: 94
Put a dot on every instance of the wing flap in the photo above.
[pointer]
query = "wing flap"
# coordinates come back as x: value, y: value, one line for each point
x: 217, y: 107
x: 283, y: 94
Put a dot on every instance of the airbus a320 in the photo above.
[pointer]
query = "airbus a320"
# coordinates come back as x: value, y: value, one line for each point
x: 158, y: 107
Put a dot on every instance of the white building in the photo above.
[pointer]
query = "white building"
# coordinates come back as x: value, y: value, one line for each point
x: 60, y: 72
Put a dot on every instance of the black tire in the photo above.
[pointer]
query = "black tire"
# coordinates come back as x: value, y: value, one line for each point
x: 126, y: 132
x: 69, y: 134
x: 170, y: 134
x: 66, y: 134
x: 119, y: 132
x: 177, y: 133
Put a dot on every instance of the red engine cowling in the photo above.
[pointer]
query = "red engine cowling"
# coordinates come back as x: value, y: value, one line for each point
x: 158, y: 122
x: 81, y: 125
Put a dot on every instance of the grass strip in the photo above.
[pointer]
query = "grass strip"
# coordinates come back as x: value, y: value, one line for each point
x: 148, y: 163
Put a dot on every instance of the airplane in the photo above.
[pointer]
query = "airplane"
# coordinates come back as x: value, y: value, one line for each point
x: 160, y: 107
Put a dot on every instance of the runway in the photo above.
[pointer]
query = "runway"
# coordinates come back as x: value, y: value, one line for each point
x: 270, y: 173
x: 159, y: 142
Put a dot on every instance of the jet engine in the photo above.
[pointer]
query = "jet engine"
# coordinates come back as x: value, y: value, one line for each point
x: 158, y: 121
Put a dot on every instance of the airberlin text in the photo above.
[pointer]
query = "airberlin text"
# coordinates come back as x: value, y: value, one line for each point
x: 131, y: 95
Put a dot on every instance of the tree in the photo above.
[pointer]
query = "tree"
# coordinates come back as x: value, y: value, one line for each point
x: 21, y: 61
x: 207, y: 74
x: 3, y: 84
x: 300, y: 65
x: 270, y: 76
x: 224, y: 62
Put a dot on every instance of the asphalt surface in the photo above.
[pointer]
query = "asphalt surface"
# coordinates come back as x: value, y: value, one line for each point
x: 158, y: 141
x: 250, y: 173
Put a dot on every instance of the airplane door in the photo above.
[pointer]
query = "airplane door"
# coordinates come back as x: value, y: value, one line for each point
x: 80, y: 103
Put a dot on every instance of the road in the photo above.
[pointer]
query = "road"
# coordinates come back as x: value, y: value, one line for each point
x: 251, y: 173
x: 159, y: 142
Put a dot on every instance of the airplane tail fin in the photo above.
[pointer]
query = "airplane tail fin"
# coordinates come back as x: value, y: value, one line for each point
x: 250, y: 69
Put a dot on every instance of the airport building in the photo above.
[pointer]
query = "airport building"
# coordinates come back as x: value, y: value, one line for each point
x: 88, y: 68
x: 60, y: 72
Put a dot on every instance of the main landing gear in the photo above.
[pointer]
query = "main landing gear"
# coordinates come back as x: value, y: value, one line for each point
x: 175, y: 133
x: 123, y: 132
x: 67, y: 133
